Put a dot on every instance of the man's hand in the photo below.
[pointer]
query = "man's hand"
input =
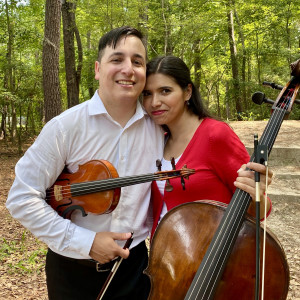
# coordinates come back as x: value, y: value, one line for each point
x: 105, y: 249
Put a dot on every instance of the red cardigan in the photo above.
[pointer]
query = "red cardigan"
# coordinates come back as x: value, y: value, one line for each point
x: 216, y: 153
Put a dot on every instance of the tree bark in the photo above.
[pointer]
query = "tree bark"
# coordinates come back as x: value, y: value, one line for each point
x: 197, y: 64
x: 70, y: 31
x: 51, y: 46
x: 234, y: 64
x: 90, y: 75
x: 167, y: 44
x: 288, y: 31
x: 3, y: 122
x: 10, y: 80
x: 243, y: 69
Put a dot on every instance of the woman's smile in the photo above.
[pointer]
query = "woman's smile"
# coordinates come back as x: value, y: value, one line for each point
x: 158, y: 112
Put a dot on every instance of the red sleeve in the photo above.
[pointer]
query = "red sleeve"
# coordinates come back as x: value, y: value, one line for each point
x: 227, y: 153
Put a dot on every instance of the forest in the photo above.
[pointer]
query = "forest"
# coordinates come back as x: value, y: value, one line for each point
x: 48, y: 49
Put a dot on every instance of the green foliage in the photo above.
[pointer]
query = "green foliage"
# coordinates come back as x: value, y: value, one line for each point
x: 267, y: 34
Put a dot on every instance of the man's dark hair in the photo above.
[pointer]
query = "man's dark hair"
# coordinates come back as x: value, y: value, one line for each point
x: 112, y: 37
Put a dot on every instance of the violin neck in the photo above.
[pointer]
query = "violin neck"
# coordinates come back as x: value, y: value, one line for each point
x: 211, y: 268
x: 89, y: 187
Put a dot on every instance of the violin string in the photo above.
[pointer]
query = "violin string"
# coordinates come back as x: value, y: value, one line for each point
x: 111, y: 183
x: 278, y: 117
x: 98, y: 185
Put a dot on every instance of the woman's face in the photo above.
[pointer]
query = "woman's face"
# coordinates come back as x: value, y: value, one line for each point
x: 164, y: 100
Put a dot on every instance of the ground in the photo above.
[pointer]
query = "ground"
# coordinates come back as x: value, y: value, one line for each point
x: 22, y: 256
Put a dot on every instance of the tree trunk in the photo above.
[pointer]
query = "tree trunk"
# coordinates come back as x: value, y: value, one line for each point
x: 90, y: 75
x: 228, y: 115
x: 288, y: 32
x: 218, y: 100
x: 258, y: 60
x: 3, y: 122
x: 197, y: 64
x: 243, y: 70
x: 51, y: 45
x: 234, y: 64
x: 70, y: 32
x: 10, y: 80
x: 167, y: 47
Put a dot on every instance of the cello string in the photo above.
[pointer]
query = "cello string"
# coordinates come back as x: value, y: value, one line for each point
x: 277, y: 118
x: 274, y: 117
x: 271, y: 126
x: 274, y: 114
x: 274, y: 124
x: 213, y: 253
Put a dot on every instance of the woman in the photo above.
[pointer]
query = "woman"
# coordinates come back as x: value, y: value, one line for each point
x: 196, y: 139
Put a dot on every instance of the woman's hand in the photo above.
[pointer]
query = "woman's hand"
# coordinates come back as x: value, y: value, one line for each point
x: 246, y: 182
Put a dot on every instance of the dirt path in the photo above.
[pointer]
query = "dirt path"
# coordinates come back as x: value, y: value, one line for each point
x: 22, y: 256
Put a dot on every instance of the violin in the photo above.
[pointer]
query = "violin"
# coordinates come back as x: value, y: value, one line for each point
x: 206, y: 250
x: 96, y: 187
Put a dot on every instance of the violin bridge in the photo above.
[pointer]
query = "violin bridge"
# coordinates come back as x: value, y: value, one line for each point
x: 58, y: 192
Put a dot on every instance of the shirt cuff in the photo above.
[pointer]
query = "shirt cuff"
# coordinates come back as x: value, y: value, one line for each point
x: 82, y: 241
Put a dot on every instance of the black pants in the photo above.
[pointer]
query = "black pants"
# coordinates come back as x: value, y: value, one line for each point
x: 69, y: 279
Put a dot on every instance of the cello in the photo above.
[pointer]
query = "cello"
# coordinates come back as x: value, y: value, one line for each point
x: 205, y: 250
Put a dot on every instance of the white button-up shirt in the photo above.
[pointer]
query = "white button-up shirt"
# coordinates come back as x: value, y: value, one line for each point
x: 80, y: 134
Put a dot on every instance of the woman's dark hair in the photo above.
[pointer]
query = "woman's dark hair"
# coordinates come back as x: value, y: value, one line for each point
x: 112, y: 37
x: 177, y: 69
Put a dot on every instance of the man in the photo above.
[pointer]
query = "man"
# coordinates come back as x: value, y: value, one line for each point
x: 110, y: 126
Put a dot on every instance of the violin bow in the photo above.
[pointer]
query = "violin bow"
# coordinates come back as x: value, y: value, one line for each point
x: 114, y: 270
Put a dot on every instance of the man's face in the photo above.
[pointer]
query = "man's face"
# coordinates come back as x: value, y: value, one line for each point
x: 122, y: 71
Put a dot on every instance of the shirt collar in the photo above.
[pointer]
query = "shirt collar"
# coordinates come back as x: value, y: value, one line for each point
x: 96, y: 107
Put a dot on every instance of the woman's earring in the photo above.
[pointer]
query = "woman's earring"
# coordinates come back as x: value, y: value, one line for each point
x: 188, y: 103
